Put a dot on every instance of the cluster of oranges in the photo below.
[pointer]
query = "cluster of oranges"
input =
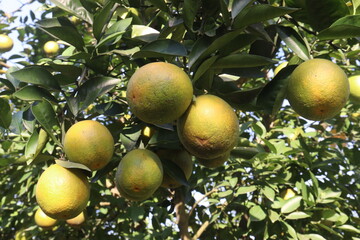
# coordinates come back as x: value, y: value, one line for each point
x: 207, y: 128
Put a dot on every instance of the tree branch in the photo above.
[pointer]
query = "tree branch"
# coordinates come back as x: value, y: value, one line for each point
x: 201, y: 230
x: 215, y: 189
x: 182, y: 217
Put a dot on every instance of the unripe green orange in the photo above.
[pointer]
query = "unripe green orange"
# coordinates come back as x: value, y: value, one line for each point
x: 139, y: 174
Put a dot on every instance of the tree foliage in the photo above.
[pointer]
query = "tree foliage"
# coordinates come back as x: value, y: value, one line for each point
x: 229, y: 48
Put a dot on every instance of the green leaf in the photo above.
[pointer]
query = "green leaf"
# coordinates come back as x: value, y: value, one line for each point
x: 75, y: 8
x: 62, y: 29
x: 46, y: 116
x: 238, y: 6
x: 101, y: 19
x: 174, y: 171
x: 36, y: 75
x: 68, y: 164
x: 225, y: 193
x: 294, y: 41
x: 328, y: 195
x: 322, y: 13
x: 144, y: 33
x: 257, y: 213
x: 242, y: 99
x: 291, y: 231
x: 161, y: 4
x: 8, y: 84
x: 272, y: 95
x: 5, y: 113
x: 89, y: 91
x: 273, y: 216
x: 259, y: 13
x: 114, y: 33
x: 291, y: 205
x: 311, y: 236
x: 161, y: 48
x: 346, y: 27
x: 242, y: 60
x: 259, y: 129
x: 349, y: 228
x: 203, y: 68
x: 31, y: 145
x: 244, y: 190
x: 190, y: 10
x: 297, y: 215
x: 269, y: 193
x: 34, y: 93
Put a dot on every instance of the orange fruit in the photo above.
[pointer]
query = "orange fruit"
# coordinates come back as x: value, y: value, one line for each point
x: 62, y: 193
x: 77, y: 221
x: 182, y: 159
x: 6, y: 43
x: 43, y: 220
x: 287, y: 193
x: 139, y: 174
x: 318, y: 89
x: 209, y: 128
x: 90, y: 143
x: 354, y: 82
x: 214, y: 162
x: 51, y: 48
x: 159, y: 92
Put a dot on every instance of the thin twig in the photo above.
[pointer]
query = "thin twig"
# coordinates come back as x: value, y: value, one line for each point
x: 201, y: 230
x: 215, y: 189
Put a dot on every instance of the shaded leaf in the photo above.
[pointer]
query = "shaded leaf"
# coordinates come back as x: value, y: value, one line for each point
x: 34, y: 93
x: 174, y: 171
x: 5, y: 113
x: 294, y: 41
x: 161, y: 4
x: 189, y: 12
x: 258, y: 13
x: 238, y: 6
x: 46, y: 116
x: 68, y: 164
x: 161, y: 48
x: 346, y: 27
x: 242, y: 61
x: 75, y: 8
x: 101, y: 19
x: 36, y: 75
x: 114, y: 33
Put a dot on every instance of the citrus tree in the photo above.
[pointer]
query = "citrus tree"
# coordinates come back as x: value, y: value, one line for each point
x: 268, y: 173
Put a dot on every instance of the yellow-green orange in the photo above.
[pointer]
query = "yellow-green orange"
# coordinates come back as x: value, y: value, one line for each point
x: 62, y: 193
x: 287, y: 193
x: 354, y: 82
x: 77, y: 221
x: 159, y: 92
x: 51, y: 48
x: 139, y: 174
x: 182, y: 160
x: 318, y: 89
x: 43, y: 220
x: 90, y: 143
x: 214, y: 162
x: 209, y: 128
x: 6, y: 43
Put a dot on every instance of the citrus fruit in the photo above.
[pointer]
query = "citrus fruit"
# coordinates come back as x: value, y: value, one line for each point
x: 43, y: 220
x: 318, y: 89
x: 62, y: 193
x: 287, y: 193
x: 77, y: 221
x: 6, y: 43
x: 214, y: 162
x: 183, y: 161
x: 90, y: 143
x: 159, y: 92
x: 139, y: 174
x: 354, y: 82
x: 51, y: 48
x: 209, y: 128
